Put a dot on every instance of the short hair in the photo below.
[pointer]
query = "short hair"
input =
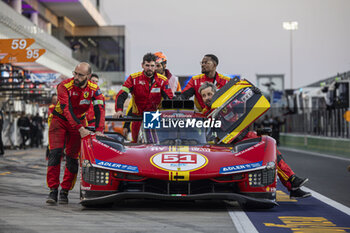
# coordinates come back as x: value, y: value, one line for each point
x: 213, y: 57
x: 94, y: 75
x: 149, y: 57
x: 206, y: 85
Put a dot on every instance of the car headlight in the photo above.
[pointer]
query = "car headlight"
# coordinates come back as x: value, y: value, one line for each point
x: 86, y: 163
x: 270, y: 165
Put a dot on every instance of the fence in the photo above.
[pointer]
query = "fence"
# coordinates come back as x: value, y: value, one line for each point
x: 319, y: 122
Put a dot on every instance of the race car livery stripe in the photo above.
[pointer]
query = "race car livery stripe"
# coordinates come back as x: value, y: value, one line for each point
x: 179, y: 148
x: 179, y: 176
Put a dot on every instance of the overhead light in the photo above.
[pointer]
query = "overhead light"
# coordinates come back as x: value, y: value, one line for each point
x: 92, y: 42
x: 292, y: 25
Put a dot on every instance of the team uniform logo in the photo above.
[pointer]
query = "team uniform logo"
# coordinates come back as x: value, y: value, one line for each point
x: 86, y: 94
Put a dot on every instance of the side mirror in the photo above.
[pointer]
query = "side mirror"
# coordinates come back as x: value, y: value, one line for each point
x: 264, y: 131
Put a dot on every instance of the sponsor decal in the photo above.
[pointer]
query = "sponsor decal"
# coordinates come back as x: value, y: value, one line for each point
x: 247, y: 94
x: 85, y: 101
x: 179, y: 161
x: 159, y: 148
x: 241, y: 167
x: 200, y: 149
x: 86, y: 94
x: 74, y: 93
x: 248, y: 149
x: 141, y: 82
x: 85, y: 188
x: 155, y: 90
x: 104, y: 145
x: 117, y: 166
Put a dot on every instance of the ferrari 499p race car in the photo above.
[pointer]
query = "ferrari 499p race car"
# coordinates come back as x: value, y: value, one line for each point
x: 182, y: 155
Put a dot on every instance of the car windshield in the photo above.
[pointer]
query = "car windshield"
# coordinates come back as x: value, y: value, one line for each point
x: 178, y: 131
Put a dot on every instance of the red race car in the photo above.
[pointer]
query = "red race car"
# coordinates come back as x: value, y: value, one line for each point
x: 177, y: 158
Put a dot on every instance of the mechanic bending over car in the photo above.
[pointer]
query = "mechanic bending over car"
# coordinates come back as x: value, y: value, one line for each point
x: 147, y: 89
x: 67, y: 128
x: 173, y: 80
x: 209, y: 74
x: 288, y: 178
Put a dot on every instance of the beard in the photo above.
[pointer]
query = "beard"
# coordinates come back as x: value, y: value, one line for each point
x: 207, y: 103
x: 205, y: 71
x: 149, y: 73
x: 80, y: 84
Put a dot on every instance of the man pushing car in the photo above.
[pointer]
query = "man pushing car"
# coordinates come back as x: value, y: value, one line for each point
x: 285, y: 173
x: 68, y: 127
x: 147, y: 89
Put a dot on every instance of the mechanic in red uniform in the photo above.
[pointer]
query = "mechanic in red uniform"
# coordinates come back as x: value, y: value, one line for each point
x: 285, y: 173
x: 173, y: 80
x: 67, y: 128
x: 209, y: 74
x: 52, y: 105
x: 161, y: 64
x: 147, y: 89
x: 90, y: 114
x: 49, y: 112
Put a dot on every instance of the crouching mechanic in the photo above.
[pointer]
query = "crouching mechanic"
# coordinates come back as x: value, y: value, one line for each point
x: 67, y: 129
x: 147, y: 89
x: 285, y: 173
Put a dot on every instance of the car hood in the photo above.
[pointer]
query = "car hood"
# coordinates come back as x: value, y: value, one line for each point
x: 181, y: 163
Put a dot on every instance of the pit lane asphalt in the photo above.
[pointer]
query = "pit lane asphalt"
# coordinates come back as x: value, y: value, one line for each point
x: 328, y: 176
x: 23, y: 209
x: 23, y: 192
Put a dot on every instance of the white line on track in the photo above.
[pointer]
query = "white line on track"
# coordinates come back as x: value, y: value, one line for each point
x: 243, y: 224
x: 241, y: 220
x: 328, y: 201
x: 316, y: 154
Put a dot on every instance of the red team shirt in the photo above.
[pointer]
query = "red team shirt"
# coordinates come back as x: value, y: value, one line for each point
x: 74, y: 102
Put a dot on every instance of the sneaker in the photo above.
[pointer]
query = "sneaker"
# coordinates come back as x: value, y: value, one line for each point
x: 297, y: 182
x: 63, y: 197
x: 52, y: 198
x: 297, y: 194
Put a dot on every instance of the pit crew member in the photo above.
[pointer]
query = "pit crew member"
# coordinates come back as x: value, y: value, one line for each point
x: 209, y: 74
x: 288, y: 178
x: 147, y: 89
x: 67, y: 128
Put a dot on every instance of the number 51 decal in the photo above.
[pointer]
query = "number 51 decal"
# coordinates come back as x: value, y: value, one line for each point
x: 181, y: 158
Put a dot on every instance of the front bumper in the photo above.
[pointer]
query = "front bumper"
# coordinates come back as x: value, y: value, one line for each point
x: 240, y: 198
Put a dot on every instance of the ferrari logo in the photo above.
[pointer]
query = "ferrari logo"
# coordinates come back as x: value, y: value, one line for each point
x: 86, y: 94
x: 224, y: 110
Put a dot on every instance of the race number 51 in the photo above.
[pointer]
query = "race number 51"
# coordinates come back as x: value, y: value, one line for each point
x: 182, y: 158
